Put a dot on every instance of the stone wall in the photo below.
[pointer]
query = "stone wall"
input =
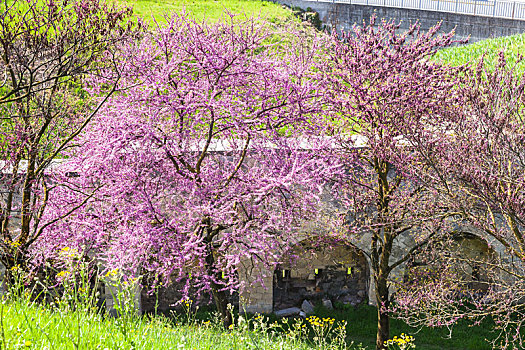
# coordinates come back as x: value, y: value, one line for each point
x: 164, y: 299
x: 314, y: 272
x: 470, y: 261
x: 256, y: 294
x: 474, y: 269
x: 344, y: 16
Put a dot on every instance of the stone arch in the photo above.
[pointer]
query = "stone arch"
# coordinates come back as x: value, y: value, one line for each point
x: 473, y: 255
x: 467, y: 257
x: 315, y: 271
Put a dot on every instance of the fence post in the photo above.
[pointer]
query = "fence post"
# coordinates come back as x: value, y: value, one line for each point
x: 439, y: 3
x: 420, y: 4
x: 457, y: 6
x: 513, y: 8
x: 475, y: 5
x: 494, y: 9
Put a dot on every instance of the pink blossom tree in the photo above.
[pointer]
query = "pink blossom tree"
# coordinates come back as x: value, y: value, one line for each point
x: 386, y: 97
x: 201, y: 163
x: 47, y: 51
x: 479, y: 173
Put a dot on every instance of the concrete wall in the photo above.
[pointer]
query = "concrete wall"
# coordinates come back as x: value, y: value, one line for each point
x: 343, y: 16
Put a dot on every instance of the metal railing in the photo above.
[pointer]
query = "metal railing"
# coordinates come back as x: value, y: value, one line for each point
x: 487, y: 8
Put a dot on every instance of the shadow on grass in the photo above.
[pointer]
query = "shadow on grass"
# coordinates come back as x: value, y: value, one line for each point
x: 362, y: 325
x: 362, y: 329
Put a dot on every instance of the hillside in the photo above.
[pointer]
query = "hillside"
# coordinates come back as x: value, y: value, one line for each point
x: 211, y: 10
x: 512, y: 45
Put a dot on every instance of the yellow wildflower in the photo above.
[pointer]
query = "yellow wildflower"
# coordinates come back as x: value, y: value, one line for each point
x: 112, y: 273
x: 63, y: 274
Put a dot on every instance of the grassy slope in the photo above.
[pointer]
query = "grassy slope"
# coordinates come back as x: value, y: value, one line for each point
x: 512, y: 45
x: 27, y: 325
x: 210, y: 9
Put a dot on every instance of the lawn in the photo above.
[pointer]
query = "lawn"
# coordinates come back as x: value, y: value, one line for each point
x: 27, y: 325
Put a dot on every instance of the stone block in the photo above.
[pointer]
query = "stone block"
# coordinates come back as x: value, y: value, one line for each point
x: 307, y: 307
x: 327, y: 303
x: 291, y: 311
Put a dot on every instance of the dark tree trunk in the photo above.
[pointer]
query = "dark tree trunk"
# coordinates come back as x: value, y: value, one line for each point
x: 220, y: 297
x: 383, y: 320
x: 27, y: 192
x: 221, y: 302
x: 382, y: 242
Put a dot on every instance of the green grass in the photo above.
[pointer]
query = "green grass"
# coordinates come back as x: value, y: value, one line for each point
x: 72, y: 323
x: 512, y: 46
x: 211, y: 10
x: 214, y: 10
x: 31, y: 326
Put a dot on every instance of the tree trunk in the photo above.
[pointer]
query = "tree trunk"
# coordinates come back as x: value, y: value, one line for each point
x: 219, y: 296
x: 383, y: 329
x: 27, y: 192
x: 383, y: 320
x: 221, y: 302
x: 381, y: 254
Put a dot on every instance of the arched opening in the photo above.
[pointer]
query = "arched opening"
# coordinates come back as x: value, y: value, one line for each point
x: 464, y: 261
x: 473, y: 261
x: 317, y: 271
